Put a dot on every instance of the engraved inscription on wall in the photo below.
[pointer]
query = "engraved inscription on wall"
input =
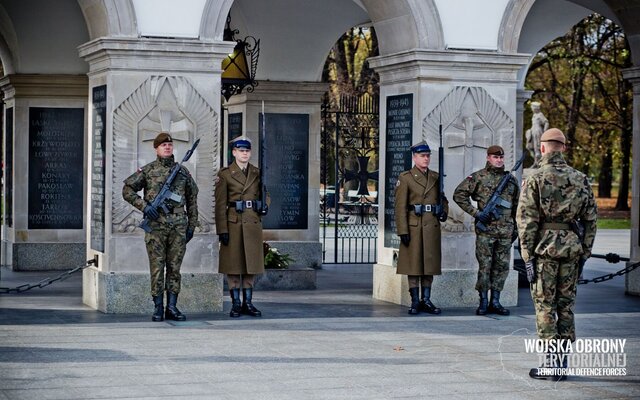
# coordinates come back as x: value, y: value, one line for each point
x: 398, y: 157
x: 99, y: 104
x: 287, y: 174
x: 55, y: 168
x: 234, y: 131
x: 9, y: 167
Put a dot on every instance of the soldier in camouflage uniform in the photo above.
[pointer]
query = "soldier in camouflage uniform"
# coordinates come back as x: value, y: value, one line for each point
x: 418, y: 218
x: 170, y: 233
x: 555, y: 200
x: 493, y: 246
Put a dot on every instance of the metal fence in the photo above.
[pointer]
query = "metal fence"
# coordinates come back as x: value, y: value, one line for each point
x: 349, y: 180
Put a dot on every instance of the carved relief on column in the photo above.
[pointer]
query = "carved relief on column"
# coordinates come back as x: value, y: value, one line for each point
x: 170, y: 104
x: 471, y: 122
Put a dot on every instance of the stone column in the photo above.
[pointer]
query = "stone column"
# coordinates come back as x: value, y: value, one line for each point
x: 280, y: 99
x: 137, y: 88
x: 476, y: 103
x: 632, y: 279
x: 44, y: 133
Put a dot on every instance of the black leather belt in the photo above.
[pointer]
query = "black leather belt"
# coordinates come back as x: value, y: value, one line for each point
x: 242, y: 205
x: 420, y: 209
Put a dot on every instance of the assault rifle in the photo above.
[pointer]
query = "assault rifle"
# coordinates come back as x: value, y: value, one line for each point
x: 160, y: 201
x: 263, y: 208
x: 496, y: 203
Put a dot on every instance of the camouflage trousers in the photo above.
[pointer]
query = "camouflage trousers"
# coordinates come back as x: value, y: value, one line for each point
x: 166, y: 245
x: 554, y: 295
x: 493, y: 256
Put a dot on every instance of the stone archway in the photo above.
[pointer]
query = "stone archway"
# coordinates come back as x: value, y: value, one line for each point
x: 109, y: 18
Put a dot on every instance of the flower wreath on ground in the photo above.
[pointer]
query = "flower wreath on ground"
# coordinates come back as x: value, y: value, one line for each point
x: 273, y: 259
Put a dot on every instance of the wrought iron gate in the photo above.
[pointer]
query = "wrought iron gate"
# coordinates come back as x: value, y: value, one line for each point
x: 349, y: 180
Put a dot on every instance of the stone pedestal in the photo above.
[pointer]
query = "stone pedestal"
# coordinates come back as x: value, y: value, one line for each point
x: 139, y: 87
x: 454, y: 288
x: 473, y: 117
x: 292, y: 278
x: 44, y: 138
x: 632, y: 279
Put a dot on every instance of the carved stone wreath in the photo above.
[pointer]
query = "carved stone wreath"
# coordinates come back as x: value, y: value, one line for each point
x: 471, y: 121
x: 171, y: 104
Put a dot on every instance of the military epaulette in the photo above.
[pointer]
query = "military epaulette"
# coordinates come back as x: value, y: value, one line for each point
x: 184, y: 171
x: 405, y: 173
x: 145, y: 168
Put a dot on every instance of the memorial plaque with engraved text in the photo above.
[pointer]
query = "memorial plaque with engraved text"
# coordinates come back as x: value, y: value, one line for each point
x: 287, y: 175
x: 9, y: 167
x: 398, y: 157
x: 99, y: 103
x: 56, y: 147
x: 234, y: 131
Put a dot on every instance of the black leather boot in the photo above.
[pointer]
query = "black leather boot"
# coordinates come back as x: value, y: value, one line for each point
x: 484, y: 301
x: 550, y: 368
x: 236, y: 307
x: 415, y: 301
x: 494, y: 304
x: 426, y: 305
x: 247, y: 307
x: 158, y: 311
x: 172, y: 312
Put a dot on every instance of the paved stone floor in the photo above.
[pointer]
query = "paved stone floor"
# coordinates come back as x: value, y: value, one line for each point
x: 331, y: 343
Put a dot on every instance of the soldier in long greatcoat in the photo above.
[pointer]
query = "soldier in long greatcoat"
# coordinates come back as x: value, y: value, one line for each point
x: 239, y: 227
x: 418, y: 217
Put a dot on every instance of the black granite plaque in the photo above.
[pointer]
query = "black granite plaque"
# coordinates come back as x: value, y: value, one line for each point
x: 56, y: 146
x: 398, y: 157
x: 99, y: 103
x: 234, y: 131
x: 287, y: 175
x: 8, y: 165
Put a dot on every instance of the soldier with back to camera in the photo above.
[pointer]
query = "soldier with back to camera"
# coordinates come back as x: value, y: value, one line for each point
x: 556, y: 220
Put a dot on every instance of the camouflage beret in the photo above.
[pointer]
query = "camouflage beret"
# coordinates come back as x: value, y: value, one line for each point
x: 162, y: 138
x: 495, y: 150
x: 553, y: 135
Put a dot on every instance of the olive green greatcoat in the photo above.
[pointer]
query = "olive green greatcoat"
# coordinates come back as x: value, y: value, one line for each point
x: 422, y: 256
x: 244, y: 254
